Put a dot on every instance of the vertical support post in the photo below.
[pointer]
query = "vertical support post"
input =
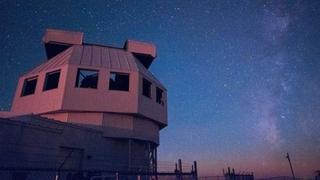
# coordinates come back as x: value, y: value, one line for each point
x: 57, y: 176
x: 195, y: 170
x: 180, y: 165
x: 129, y: 155
x: 180, y: 168
x: 156, y: 161
x: 176, y: 171
x: 150, y: 159
x: 288, y: 157
x: 117, y: 176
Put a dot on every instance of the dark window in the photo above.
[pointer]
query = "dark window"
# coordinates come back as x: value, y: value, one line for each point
x: 87, y: 78
x: 52, y: 80
x: 119, y: 81
x: 146, y: 91
x: 29, y: 86
x: 159, y: 96
x: 53, y: 49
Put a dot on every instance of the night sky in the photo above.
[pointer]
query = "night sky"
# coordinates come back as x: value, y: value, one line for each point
x: 243, y: 77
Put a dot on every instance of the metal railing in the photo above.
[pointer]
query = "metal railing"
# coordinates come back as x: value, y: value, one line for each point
x: 75, y: 174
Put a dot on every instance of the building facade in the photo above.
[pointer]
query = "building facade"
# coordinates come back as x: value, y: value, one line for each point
x: 87, y: 106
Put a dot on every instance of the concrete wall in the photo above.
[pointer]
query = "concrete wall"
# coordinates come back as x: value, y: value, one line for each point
x: 68, y: 98
x: 37, y: 143
x: 149, y: 107
x: 113, y: 125
x: 101, y: 99
x: 41, y: 101
x: 127, y: 126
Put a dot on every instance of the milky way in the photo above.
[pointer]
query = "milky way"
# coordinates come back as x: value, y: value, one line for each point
x: 243, y: 77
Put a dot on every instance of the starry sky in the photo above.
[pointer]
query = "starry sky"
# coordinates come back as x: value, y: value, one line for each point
x: 243, y: 77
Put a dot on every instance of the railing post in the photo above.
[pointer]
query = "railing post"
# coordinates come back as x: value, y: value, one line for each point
x: 180, y: 169
x: 195, y: 170
x: 57, y: 175
x: 117, y: 176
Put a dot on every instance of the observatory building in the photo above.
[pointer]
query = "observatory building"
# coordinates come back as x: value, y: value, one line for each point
x: 87, y: 106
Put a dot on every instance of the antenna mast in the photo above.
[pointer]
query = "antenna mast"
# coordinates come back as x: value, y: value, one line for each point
x: 288, y: 157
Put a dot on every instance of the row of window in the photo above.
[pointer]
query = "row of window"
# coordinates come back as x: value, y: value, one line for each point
x: 51, y: 82
x: 146, y: 91
x: 89, y: 79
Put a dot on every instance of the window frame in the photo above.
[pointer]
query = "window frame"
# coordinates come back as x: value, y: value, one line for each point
x: 77, y: 85
x: 119, y: 73
x: 46, y: 80
x: 149, y: 95
x: 24, y: 86
x: 161, y: 100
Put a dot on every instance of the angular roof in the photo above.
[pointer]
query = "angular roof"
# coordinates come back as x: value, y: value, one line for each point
x: 103, y: 57
x: 56, y: 41
x: 54, y: 62
x: 96, y: 56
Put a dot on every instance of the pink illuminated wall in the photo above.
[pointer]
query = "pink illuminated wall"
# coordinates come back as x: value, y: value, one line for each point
x: 64, y: 102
